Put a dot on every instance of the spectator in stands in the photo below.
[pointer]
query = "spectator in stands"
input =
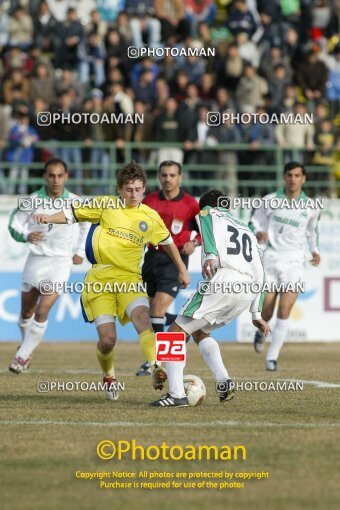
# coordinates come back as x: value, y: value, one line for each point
x: 333, y: 82
x: 171, y: 14
x: 142, y: 132
x: 20, y: 28
x: 95, y: 132
x: 109, y: 9
x: 277, y: 87
x: 199, y: 11
x: 22, y: 137
x: 4, y: 20
x: 45, y: 29
x: 207, y: 87
x: 226, y: 133
x: 241, y: 19
x: 312, y: 78
x: 179, y: 86
x: 145, y: 87
x: 247, y: 50
x: 142, y: 20
x: 16, y: 87
x: 270, y: 60
x: 325, y: 142
x: 71, y: 34
x: 4, y: 131
x: 162, y: 95
x: 68, y: 80
x: 168, y: 129
x: 222, y: 101
x: 251, y: 90
x: 97, y: 25
x: 91, y: 56
x: 67, y: 132
x: 233, y: 68
x: 41, y: 84
x: 296, y: 135
x: 194, y: 67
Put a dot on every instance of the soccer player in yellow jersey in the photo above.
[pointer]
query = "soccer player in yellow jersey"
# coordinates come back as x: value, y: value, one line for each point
x: 122, y: 226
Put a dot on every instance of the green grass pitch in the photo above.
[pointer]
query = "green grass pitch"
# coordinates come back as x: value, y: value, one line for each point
x: 47, y: 437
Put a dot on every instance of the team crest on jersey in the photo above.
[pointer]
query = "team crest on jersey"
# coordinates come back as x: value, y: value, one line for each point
x: 176, y: 226
x: 204, y: 213
x: 143, y: 226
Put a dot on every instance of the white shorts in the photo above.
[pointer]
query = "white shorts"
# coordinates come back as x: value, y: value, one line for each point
x: 40, y: 268
x: 208, y: 312
x: 280, y: 269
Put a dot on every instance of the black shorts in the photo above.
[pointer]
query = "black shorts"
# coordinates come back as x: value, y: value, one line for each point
x: 160, y: 273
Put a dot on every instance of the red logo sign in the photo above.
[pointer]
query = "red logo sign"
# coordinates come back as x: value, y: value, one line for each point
x: 170, y: 346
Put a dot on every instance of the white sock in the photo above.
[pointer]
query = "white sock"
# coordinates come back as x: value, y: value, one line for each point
x: 175, y: 371
x: 32, y: 339
x: 278, y: 337
x: 24, y: 324
x: 211, y: 353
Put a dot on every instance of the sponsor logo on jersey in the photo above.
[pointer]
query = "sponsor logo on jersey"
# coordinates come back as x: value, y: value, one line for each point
x: 143, y: 226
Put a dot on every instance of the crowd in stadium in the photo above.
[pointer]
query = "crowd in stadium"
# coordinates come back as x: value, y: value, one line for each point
x: 270, y: 56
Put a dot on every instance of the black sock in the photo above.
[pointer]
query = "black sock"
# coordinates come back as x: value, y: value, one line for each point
x: 170, y: 318
x: 157, y: 324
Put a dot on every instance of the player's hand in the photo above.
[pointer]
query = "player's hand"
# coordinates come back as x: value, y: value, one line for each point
x: 35, y: 237
x: 40, y: 218
x: 184, y: 278
x: 208, y: 268
x: 77, y: 260
x: 188, y: 248
x: 262, y: 326
x: 262, y: 237
x: 315, y: 261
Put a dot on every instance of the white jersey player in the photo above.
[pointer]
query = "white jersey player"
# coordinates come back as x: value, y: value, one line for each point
x: 234, y: 276
x: 50, y: 257
x: 286, y: 222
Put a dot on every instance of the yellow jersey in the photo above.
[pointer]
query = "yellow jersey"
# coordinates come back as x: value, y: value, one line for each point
x: 119, y: 234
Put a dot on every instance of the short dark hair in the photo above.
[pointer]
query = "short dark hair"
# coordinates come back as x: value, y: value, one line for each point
x: 54, y: 162
x: 169, y: 162
x: 211, y: 198
x: 130, y: 172
x: 293, y: 164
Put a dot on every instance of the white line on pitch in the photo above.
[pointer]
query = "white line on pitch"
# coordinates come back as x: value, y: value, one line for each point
x: 170, y: 424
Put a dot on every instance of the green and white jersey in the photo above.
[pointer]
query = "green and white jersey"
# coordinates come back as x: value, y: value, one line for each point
x: 288, y: 223
x: 233, y: 245
x: 57, y: 239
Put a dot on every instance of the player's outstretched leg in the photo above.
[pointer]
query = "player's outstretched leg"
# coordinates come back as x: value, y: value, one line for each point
x: 286, y: 303
x: 278, y: 337
x: 211, y: 353
x: 176, y: 396
x: 140, y: 318
x: 157, y: 326
x: 107, y: 338
x: 33, y: 337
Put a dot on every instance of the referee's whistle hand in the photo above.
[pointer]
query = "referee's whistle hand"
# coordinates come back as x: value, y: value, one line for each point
x: 184, y: 279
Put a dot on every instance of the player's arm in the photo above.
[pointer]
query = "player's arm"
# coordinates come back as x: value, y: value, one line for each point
x: 312, y: 238
x: 75, y: 212
x: 195, y: 236
x: 18, y: 228
x: 258, y: 224
x: 161, y: 235
x: 209, y: 248
x: 172, y: 251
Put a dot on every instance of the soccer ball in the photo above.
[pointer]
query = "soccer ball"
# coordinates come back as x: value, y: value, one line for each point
x: 194, y: 389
